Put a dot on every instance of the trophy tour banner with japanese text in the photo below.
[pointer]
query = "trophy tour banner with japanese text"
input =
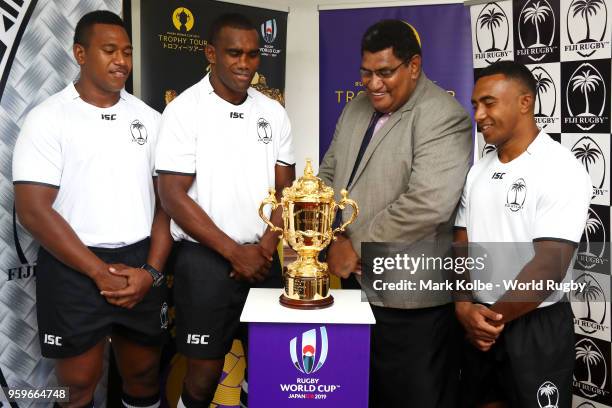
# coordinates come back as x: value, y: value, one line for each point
x: 173, y: 36
x: 443, y: 31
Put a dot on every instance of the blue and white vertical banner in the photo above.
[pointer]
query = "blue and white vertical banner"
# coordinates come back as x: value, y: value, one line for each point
x: 566, y: 45
x: 36, y: 61
x: 443, y: 31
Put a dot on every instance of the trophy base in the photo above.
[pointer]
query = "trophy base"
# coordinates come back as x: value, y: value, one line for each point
x: 306, y: 304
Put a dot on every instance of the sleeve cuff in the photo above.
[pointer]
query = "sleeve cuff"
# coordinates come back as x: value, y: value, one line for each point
x: 38, y: 183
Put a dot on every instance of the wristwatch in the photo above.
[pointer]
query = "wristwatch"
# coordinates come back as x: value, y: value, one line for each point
x: 158, y: 277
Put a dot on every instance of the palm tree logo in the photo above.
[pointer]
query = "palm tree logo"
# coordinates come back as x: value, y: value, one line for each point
x: 544, y: 83
x: 518, y: 193
x: 590, y: 356
x: 587, y: 154
x: 593, y: 226
x: 491, y: 19
x: 586, y: 9
x: 535, y: 14
x: 264, y: 131
x: 139, y: 132
x: 550, y: 391
x: 591, y: 293
x: 587, y: 80
x: 587, y: 19
x: 592, y: 158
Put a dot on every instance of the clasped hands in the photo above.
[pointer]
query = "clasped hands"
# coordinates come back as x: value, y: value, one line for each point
x: 251, y: 262
x: 482, y: 325
x: 123, y: 285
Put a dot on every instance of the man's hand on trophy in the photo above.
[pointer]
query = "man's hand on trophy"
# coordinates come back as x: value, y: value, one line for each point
x: 342, y: 259
x: 139, y: 282
x: 250, y: 262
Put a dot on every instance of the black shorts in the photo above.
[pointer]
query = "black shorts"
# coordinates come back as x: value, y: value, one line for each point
x: 414, y: 359
x: 532, y: 359
x: 208, y: 302
x: 73, y: 316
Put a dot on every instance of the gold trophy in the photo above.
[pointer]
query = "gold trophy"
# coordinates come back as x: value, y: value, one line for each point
x: 309, y: 210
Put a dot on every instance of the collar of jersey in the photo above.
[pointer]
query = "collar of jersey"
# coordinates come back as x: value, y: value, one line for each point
x: 538, y: 143
x: 208, y: 89
x: 74, y: 94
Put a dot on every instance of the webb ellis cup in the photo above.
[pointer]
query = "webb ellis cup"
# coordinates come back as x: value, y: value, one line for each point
x: 309, y: 210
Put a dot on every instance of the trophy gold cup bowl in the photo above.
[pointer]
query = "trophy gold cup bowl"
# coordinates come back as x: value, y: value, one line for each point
x: 308, y: 209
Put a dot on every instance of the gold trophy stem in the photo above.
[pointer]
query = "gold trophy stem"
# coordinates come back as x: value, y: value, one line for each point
x: 309, y: 278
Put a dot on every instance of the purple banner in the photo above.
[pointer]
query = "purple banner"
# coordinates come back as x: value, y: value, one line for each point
x: 444, y: 32
x: 308, y: 365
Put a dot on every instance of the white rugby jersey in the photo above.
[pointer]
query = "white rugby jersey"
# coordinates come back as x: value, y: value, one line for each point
x: 232, y: 151
x: 100, y: 159
x: 544, y: 194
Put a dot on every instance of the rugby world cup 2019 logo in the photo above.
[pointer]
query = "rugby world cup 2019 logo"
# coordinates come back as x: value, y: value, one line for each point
x: 309, y: 351
x: 536, y: 30
x: 271, y: 32
x: 586, y: 30
x: 268, y: 31
x: 491, y: 33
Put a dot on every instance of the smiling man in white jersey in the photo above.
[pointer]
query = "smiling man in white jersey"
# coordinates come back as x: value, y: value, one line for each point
x: 84, y: 188
x: 519, y: 341
x: 222, y: 146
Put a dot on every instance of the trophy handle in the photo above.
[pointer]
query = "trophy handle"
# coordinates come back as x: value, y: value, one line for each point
x: 270, y: 199
x: 342, y: 204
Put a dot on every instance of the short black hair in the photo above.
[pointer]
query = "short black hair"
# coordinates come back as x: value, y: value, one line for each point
x: 233, y: 20
x: 391, y: 33
x: 511, y: 70
x: 83, y: 27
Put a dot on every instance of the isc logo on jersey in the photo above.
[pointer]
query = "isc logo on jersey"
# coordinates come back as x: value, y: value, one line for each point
x: 53, y: 340
x: 198, y: 339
